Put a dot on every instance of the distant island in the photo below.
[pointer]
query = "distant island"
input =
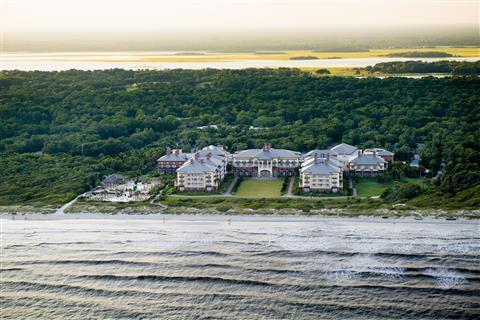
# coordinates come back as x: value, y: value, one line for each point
x: 419, y: 54
x: 450, y: 67
x: 304, y: 58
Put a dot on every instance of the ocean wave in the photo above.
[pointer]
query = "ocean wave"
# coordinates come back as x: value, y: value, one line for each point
x: 197, y: 279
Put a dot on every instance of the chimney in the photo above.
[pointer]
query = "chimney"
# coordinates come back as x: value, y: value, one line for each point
x: 176, y: 152
x: 359, y: 153
x: 169, y: 150
x: 209, y: 155
x: 202, y: 161
x: 374, y: 152
x: 315, y: 155
x: 197, y: 156
x: 191, y: 161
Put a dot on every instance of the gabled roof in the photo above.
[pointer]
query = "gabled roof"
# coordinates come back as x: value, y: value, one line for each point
x: 266, y: 154
x: 214, y: 161
x: 344, y: 148
x: 196, y: 166
x: 215, y: 151
x: 176, y: 157
x: 311, y: 159
x: 322, y: 167
x: 368, y: 159
x: 113, y: 178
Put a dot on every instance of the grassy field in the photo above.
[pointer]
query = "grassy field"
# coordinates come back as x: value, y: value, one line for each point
x: 287, y: 55
x: 260, y: 188
x: 369, y: 187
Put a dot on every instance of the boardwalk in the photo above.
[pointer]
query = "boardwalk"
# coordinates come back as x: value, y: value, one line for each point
x: 231, y: 186
x: 290, y: 187
x: 62, y: 209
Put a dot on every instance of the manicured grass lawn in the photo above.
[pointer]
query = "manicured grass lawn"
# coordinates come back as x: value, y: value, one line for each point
x: 259, y: 188
x: 369, y: 187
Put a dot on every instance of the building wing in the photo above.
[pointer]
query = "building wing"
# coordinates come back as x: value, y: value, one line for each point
x: 344, y: 149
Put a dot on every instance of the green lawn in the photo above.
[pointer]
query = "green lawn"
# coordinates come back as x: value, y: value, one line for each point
x: 369, y: 187
x: 259, y: 188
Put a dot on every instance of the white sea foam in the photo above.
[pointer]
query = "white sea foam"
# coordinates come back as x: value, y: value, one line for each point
x: 446, y: 279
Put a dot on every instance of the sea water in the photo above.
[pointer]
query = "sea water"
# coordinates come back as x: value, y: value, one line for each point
x: 236, y: 267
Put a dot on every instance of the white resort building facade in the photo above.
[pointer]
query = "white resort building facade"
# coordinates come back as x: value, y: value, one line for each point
x: 367, y: 164
x: 267, y: 162
x: 322, y: 170
x: 200, y: 174
x: 203, y: 170
x: 318, y: 170
x: 321, y: 174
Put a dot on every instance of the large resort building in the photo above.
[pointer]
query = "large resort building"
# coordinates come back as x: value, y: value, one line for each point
x: 174, y: 159
x: 203, y: 170
x: 367, y: 164
x: 200, y: 174
x: 266, y: 162
x: 318, y: 170
x: 321, y: 173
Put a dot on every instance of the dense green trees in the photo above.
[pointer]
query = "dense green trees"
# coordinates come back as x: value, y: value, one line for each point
x: 420, y: 54
x: 122, y: 120
x: 453, y: 67
x: 402, y: 192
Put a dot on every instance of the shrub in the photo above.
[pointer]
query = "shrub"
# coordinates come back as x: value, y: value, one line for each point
x: 322, y: 71
x: 404, y: 191
x: 223, y: 208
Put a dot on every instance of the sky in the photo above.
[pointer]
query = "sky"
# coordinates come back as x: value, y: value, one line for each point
x: 33, y: 19
x: 107, y: 15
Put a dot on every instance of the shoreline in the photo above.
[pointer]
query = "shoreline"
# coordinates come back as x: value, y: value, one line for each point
x: 267, y: 214
x: 209, y: 217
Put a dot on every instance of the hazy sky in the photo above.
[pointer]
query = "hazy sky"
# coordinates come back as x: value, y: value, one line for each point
x: 57, y: 17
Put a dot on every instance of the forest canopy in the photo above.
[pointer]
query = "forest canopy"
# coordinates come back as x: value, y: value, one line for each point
x: 85, y: 124
x: 452, y: 67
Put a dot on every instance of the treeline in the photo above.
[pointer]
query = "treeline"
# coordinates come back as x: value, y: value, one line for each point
x: 304, y: 58
x: 451, y: 67
x: 420, y: 54
x: 122, y: 121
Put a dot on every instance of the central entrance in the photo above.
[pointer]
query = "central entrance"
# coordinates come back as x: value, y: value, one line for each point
x: 265, y: 174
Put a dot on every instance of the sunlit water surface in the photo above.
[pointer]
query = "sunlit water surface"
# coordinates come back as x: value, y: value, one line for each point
x: 187, y: 267
x: 126, y: 60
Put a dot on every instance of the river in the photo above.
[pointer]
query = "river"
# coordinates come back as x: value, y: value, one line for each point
x: 135, y: 61
x: 238, y: 267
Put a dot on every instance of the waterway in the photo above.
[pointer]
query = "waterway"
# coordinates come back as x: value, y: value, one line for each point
x: 136, y: 61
